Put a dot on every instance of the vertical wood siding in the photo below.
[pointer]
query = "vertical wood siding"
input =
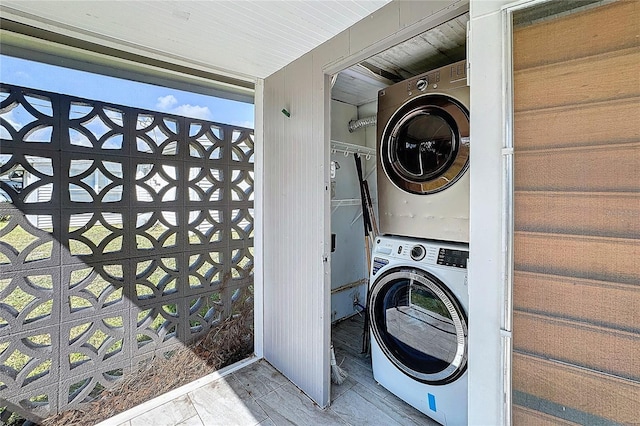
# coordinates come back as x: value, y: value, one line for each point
x: 294, y: 209
x: 576, y: 321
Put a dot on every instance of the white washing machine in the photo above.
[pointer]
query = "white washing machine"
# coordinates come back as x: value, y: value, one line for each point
x: 423, y: 147
x: 418, y: 317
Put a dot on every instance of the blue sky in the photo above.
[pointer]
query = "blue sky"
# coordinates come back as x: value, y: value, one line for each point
x: 37, y: 75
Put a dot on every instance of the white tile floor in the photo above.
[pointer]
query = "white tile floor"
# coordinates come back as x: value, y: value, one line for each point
x: 259, y: 395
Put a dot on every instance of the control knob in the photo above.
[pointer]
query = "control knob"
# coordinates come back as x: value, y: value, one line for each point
x: 418, y: 252
x: 422, y: 84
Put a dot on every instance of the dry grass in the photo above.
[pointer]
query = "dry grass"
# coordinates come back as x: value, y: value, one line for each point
x: 225, y: 344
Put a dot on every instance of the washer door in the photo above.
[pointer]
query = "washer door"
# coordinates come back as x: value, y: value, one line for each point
x: 419, y: 325
x: 425, y: 144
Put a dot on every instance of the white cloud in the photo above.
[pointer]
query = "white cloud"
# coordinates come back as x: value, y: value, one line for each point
x: 169, y: 104
x: 193, y: 111
x: 22, y: 76
x: 166, y: 102
x: 246, y: 123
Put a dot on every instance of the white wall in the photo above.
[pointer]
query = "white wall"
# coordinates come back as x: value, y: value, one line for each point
x: 486, y: 280
x: 341, y: 114
x: 296, y: 189
x: 348, y: 259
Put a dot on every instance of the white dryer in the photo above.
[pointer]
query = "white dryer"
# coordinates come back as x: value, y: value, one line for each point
x: 423, y: 156
x: 418, y: 317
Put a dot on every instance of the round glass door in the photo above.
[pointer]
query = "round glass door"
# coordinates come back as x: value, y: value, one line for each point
x: 419, y: 325
x: 425, y: 145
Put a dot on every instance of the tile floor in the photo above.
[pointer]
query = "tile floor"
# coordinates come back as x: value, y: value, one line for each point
x: 259, y: 395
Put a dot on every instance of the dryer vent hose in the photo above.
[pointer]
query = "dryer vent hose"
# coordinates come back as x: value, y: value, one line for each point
x: 362, y: 122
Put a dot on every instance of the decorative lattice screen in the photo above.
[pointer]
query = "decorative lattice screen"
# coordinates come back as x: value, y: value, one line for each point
x: 123, y: 233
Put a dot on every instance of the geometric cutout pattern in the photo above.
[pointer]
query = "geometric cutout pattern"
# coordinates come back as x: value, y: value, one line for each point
x: 27, y: 301
x: 242, y: 223
x: 205, y: 270
x: 26, y: 178
x: 156, y: 278
x: 205, y: 311
x: 242, y: 146
x: 205, y: 184
x: 241, y: 262
x: 95, y: 126
x: 28, y: 360
x: 91, y: 290
x: 91, y: 342
x: 26, y: 240
x: 156, y: 230
x: 205, y: 226
x: 93, y: 234
x: 241, y: 185
x: 158, y: 325
x: 123, y: 233
x: 207, y: 141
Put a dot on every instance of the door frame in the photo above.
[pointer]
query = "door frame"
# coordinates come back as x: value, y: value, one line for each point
x: 336, y: 66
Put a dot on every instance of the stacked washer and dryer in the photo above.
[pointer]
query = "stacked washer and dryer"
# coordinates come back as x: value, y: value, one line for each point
x: 418, y: 300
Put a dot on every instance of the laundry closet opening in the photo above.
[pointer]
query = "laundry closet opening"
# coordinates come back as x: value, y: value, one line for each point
x: 386, y: 139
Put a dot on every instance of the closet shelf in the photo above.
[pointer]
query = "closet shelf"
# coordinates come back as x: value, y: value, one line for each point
x: 342, y: 202
x: 345, y: 202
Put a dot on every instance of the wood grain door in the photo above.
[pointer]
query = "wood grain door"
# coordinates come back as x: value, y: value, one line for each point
x: 576, y: 319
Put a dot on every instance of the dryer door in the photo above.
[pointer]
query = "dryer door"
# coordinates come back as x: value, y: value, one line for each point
x: 425, y: 144
x: 419, y: 325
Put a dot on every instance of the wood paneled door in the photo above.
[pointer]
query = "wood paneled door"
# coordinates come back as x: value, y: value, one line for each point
x: 576, y: 319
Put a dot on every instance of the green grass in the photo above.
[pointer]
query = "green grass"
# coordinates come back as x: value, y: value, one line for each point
x: 427, y: 302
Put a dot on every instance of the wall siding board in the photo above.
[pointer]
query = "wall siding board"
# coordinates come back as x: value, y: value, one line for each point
x: 576, y: 295
x: 599, y: 348
x: 322, y: 126
x: 595, y: 393
x: 609, y: 122
x: 413, y: 11
x: 525, y: 416
x: 579, y: 299
x: 555, y: 85
x: 594, y: 168
x: 611, y: 214
x: 274, y: 120
x: 600, y: 258
x: 581, y: 36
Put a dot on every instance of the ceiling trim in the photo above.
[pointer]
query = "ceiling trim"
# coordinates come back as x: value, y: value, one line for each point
x: 456, y: 8
x: 31, y: 42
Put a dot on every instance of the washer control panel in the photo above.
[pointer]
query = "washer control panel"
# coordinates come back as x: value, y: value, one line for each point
x: 418, y: 252
x: 455, y: 258
x: 378, y: 263
x: 425, y: 252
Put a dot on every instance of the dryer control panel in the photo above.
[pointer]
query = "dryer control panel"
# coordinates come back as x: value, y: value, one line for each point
x: 454, y: 75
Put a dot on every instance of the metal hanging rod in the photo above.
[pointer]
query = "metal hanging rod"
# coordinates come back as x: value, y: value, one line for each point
x: 349, y: 148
